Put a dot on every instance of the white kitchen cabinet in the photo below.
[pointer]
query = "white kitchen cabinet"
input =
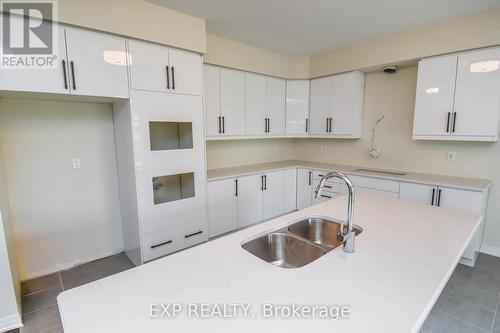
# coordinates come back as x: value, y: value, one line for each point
x: 297, y: 107
x: 212, y: 99
x: 435, y: 96
x: 273, y: 194
x: 255, y: 101
x: 275, y: 106
x: 89, y: 64
x: 159, y: 68
x: 290, y: 190
x: 148, y: 66
x: 320, y: 107
x: 97, y: 64
x: 304, y: 188
x: 265, y: 105
x: 337, y: 105
x: 224, y: 102
x: 232, y: 99
x: 458, y: 97
x: 420, y: 193
x: 477, y: 94
x: 222, y: 206
x: 250, y: 202
x: 39, y: 80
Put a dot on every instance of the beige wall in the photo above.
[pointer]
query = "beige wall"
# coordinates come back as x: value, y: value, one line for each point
x: 60, y: 216
x: 393, y: 96
x: 228, y: 153
x: 138, y: 19
x: 228, y: 53
x: 460, y: 34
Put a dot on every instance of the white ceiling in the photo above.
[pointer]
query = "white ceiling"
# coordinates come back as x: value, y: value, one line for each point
x: 301, y: 27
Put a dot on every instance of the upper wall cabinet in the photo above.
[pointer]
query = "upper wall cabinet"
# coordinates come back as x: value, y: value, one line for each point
x: 159, y: 68
x: 297, y: 107
x: 265, y: 105
x: 95, y: 64
x: 337, y: 103
x: 224, y: 102
x: 458, y: 97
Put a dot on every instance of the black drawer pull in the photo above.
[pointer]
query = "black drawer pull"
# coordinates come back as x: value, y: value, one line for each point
x: 454, y: 122
x: 433, y: 195
x: 327, y: 186
x: 161, y: 244
x: 310, y: 174
x: 439, y: 198
x: 193, y: 234
x: 448, y: 122
x: 173, y: 78
x: 65, y: 75
x: 72, y: 65
x: 168, y: 78
x: 326, y: 196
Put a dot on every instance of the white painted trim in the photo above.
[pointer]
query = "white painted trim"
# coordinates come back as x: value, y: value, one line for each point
x: 490, y: 249
x: 10, y: 322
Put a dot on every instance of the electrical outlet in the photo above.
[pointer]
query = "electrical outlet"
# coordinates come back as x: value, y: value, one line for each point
x: 76, y: 163
x: 452, y: 155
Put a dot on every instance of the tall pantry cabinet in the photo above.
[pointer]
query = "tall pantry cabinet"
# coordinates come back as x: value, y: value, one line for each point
x: 161, y: 153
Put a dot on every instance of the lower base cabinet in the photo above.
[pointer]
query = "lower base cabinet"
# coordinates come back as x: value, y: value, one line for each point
x: 304, y: 188
x: 222, y: 206
x: 239, y: 202
x: 464, y: 200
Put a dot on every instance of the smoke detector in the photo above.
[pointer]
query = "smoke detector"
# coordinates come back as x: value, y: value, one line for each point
x: 390, y: 69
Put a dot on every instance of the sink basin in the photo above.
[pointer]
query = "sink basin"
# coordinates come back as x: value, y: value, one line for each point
x: 320, y: 231
x: 283, y: 250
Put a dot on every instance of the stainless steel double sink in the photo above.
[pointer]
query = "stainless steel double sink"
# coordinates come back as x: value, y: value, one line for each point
x: 299, y: 243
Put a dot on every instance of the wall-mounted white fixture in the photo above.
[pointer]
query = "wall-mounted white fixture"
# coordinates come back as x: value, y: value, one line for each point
x: 374, y: 150
x: 485, y: 66
x: 433, y: 90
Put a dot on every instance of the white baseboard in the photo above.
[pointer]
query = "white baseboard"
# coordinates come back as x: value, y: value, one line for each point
x: 490, y: 249
x: 10, y: 322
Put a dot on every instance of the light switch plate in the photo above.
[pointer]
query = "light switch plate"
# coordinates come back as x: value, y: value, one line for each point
x: 76, y: 163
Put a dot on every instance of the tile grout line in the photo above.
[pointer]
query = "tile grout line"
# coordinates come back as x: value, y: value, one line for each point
x: 496, y: 313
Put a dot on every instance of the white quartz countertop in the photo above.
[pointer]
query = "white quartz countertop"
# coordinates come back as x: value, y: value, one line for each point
x: 474, y: 184
x: 403, y: 259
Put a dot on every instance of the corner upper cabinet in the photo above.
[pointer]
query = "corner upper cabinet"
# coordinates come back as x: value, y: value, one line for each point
x: 224, y: 102
x: 297, y: 107
x: 458, y: 97
x: 158, y: 68
x: 337, y: 104
x: 97, y: 64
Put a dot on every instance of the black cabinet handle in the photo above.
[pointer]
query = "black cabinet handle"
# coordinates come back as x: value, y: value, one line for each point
x: 326, y: 196
x: 262, y: 183
x: 310, y: 177
x: 327, y: 186
x: 236, y: 187
x: 65, y: 75
x: 433, y: 194
x: 265, y: 182
x: 448, y: 122
x: 454, y: 122
x: 223, y: 125
x: 331, y: 120
x: 307, y: 125
x: 268, y: 125
x: 161, y: 244
x: 220, y: 125
x: 327, y: 121
x: 168, y: 77
x: 173, y: 78
x: 72, y: 65
x: 439, y: 198
x: 193, y: 234
x: 265, y: 125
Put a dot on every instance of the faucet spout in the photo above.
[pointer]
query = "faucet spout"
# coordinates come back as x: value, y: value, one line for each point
x: 346, y: 235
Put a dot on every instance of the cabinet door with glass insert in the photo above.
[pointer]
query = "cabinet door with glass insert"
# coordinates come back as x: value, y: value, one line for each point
x: 170, y: 159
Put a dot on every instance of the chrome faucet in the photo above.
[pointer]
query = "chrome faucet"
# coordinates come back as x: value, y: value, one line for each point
x: 345, y: 236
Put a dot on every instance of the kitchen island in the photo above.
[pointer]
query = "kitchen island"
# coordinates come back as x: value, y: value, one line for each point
x: 402, y: 261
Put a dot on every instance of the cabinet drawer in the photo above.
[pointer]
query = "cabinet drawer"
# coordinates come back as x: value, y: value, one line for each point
x: 394, y: 195
x: 375, y: 183
x: 328, y: 186
x: 170, y: 240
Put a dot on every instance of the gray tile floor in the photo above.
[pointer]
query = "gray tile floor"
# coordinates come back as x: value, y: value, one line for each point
x: 468, y: 303
x: 40, y: 312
